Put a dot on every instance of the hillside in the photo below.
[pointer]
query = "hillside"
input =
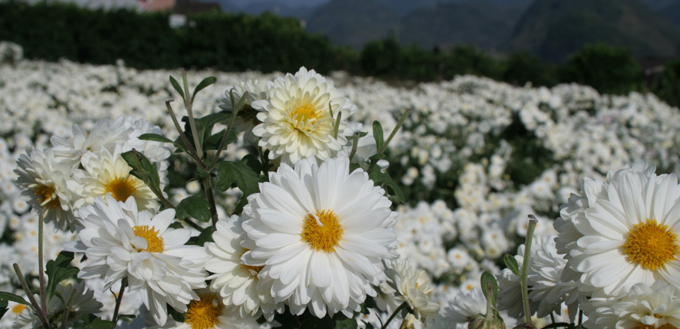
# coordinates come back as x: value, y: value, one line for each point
x: 483, y: 24
x: 353, y: 22
x: 553, y: 29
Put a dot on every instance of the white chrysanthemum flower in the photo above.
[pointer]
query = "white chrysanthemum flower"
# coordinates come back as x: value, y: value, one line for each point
x: 465, y: 306
x: 247, y: 115
x: 235, y: 281
x: 83, y: 303
x: 627, y: 234
x: 108, y: 173
x: 297, y: 121
x: 643, y: 306
x: 413, y: 287
x: 321, y: 234
x: 49, y: 187
x: 208, y: 312
x: 120, y: 241
x: 105, y: 134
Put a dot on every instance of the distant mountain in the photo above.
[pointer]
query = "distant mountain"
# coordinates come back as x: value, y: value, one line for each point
x: 672, y: 12
x: 353, y: 22
x: 483, y: 24
x: 554, y: 29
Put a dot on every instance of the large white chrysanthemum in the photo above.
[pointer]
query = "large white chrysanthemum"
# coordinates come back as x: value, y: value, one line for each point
x: 49, y: 187
x: 627, y: 234
x: 643, y: 306
x: 297, y: 121
x: 208, y: 312
x: 108, y: 173
x: 320, y: 233
x: 120, y: 241
x: 235, y: 281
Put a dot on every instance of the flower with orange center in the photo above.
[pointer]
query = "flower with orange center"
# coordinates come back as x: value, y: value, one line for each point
x: 320, y: 233
x: 47, y: 182
x: 299, y: 118
x: 121, y: 241
x: 623, y: 231
x: 207, y: 312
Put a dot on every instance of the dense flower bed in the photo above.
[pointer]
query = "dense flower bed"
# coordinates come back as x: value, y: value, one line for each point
x: 474, y: 159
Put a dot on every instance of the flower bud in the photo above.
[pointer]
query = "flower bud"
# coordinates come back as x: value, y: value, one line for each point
x: 482, y: 322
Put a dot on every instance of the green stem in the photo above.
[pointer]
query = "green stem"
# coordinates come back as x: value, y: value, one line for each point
x: 119, y: 299
x: 234, y: 112
x: 188, y: 105
x: 525, y: 267
x: 355, y: 144
x: 337, y: 125
x: 207, y: 185
x: 192, y: 224
x: 192, y: 152
x: 41, y: 259
x: 389, y: 139
x: 42, y: 315
x: 394, y: 314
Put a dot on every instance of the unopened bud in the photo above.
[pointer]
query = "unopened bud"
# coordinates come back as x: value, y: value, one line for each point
x: 482, y: 322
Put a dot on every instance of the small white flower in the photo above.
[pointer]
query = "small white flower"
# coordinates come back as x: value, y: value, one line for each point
x: 413, y: 287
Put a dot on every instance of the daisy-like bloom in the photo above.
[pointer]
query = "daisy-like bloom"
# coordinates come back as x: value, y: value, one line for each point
x: 247, y: 115
x: 83, y: 303
x: 467, y: 305
x: 298, y: 120
x: 643, y: 307
x: 320, y: 234
x: 121, y: 241
x: 207, y: 312
x: 105, y: 134
x: 49, y: 187
x: 628, y: 233
x: 235, y: 281
x: 108, y: 173
x: 413, y: 287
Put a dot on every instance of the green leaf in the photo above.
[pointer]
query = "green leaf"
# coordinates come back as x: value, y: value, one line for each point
x: 8, y: 296
x: 143, y: 169
x: 59, y: 270
x: 90, y: 321
x: 177, y: 316
x: 489, y: 278
x: 253, y: 161
x: 346, y: 324
x: 204, y: 127
x: 3, y: 308
x: 206, y: 236
x: 213, y: 141
x: 379, y: 178
x: 194, y: 206
x: 378, y: 135
x: 202, y: 85
x: 243, y: 176
x: 175, y: 85
x: 511, y: 263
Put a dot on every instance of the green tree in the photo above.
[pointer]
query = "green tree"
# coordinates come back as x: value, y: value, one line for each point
x: 522, y: 67
x: 609, y: 69
x: 668, y: 87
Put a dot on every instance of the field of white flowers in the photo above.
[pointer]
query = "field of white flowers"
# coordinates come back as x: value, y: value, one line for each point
x: 474, y: 159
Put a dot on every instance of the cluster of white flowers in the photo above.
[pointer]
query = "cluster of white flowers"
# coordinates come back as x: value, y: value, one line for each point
x: 321, y: 238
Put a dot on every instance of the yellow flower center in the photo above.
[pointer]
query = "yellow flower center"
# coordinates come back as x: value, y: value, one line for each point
x: 254, y: 270
x: 46, y: 197
x: 121, y: 188
x: 304, y: 112
x: 203, y: 313
x: 18, y: 308
x: 322, y: 231
x: 651, y: 244
x: 150, y: 234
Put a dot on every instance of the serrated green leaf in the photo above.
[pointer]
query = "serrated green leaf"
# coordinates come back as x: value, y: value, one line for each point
x: 194, y: 206
x: 204, y: 127
x: 59, y: 270
x: 92, y: 322
x: 245, y: 178
x: 177, y: 87
x: 511, y: 263
x: 206, y: 236
x: 142, y: 168
x: 253, y: 162
x: 202, y: 85
x: 486, y: 279
x: 8, y: 296
x: 378, y: 135
x: 378, y: 177
x: 213, y: 141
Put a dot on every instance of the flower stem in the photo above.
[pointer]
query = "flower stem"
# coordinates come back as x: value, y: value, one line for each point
x: 42, y: 315
x: 207, y: 185
x: 355, y: 144
x: 394, y: 314
x: 41, y: 266
x: 389, y: 139
x: 236, y: 108
x: 192, y: 152
x: 67, y: 307
x: 188, y: 105
x: 119, y: 299
x: 525, y: 267
x: 337, y: 125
